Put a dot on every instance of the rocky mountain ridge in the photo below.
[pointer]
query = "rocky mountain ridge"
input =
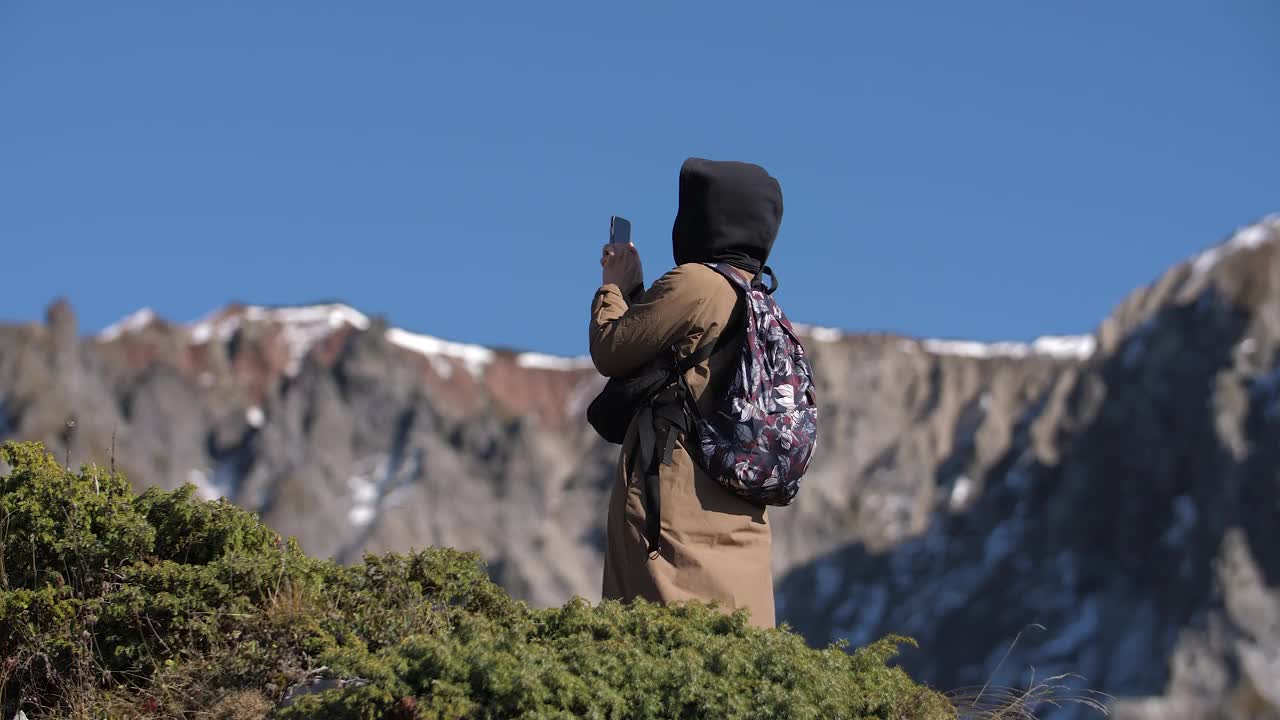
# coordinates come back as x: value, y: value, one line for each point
x: 1119, y: 489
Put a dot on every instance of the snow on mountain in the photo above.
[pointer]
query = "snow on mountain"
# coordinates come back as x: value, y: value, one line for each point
x: 473, y: 357
x: 302, y: 327
x: 132, y: 323
x: 817, y: 332
x: 538, y: 361
x: 1066, y: 347
x: 1076, y: 347
x: 1249, y: 236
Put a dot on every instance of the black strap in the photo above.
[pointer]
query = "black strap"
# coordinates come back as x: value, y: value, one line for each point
x: 668, y: 445
x: 666, y: 442
x: 759, y: 279
x: 652, y: 512
x: 669, y: 419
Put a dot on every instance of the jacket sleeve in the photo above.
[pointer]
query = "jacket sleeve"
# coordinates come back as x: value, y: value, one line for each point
x: 625, y: 337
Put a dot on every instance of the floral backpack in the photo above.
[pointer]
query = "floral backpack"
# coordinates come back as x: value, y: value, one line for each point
x: 761, y: 437
x: 757, y: 443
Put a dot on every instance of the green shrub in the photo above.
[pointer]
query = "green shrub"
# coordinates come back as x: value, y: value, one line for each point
x: 162, y: 605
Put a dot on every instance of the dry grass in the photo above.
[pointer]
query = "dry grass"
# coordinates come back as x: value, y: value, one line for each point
x: 1009, y: 703
x: 998, y: 702
x: 243, y: 705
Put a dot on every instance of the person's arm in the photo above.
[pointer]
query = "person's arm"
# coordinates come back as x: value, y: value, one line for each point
x: 626, y: 336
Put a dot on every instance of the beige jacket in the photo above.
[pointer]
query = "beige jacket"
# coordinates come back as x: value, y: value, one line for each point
x: 715, y: 546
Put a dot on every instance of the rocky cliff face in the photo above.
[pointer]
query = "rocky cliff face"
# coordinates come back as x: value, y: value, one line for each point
x: 1120, y: 490
x: 1119, y: 511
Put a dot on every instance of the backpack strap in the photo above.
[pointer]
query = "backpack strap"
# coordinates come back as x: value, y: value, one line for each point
x: 759, y: 280
x: 658, y: 427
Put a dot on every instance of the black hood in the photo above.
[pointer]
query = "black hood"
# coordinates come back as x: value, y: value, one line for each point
x: 729, y: 212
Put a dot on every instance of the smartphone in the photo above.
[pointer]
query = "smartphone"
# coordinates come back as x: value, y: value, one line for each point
x: 619, y: 230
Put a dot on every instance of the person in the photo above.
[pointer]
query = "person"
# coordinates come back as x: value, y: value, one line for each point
x: 714, y: 546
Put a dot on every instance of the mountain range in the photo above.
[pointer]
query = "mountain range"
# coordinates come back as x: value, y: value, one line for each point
x: 1106, y: 505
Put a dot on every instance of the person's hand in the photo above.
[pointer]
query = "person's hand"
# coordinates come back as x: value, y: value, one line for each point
x: 621, y: 265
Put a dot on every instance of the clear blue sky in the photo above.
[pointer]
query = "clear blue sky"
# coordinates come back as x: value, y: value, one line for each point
x: 990, y: 170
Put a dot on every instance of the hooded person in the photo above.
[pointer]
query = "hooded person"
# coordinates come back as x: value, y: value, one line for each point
x: 676, y: 535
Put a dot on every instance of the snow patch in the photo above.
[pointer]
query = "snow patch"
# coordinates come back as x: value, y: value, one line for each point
x: 332, y: 316
x: 204, y: 488
x: 219, y: 483
x: 1244, y: 238
x: 360, y: 515
x: 130, y: 324
x: 203, y: 331
x: 825, y: 334
x: 302, y: 327
x: 968, y: 348
x: 374, y: 482
x: 473, y: 357
x: 538, y: 361
x: 961, y: 491
x: 818, y: 333
x: 364, y: 493
x: 1067, y: 347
